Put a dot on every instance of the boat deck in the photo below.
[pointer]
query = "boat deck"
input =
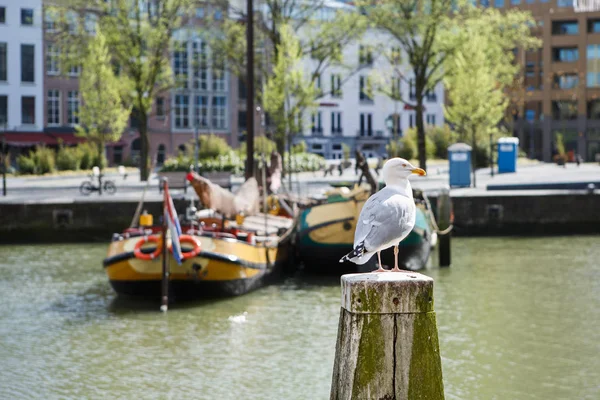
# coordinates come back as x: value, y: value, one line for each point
x: 256, y: 223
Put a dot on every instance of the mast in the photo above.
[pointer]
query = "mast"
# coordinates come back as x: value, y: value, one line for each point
x: 250, y: 90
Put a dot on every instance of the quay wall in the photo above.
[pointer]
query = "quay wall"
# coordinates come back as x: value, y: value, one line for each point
x: 95, y: 221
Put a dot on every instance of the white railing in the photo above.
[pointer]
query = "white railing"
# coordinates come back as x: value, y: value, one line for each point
x: 586, y: 5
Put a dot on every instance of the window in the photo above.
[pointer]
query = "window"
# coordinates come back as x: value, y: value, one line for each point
x: 74, y: 70
x: 160, y: 107
x: 53, y: 107
x: 318, y: 88
x: 52, y: 59
x: 3, y: 64
x: 182, y: 103
x: 3, y: 111
x: 118, y: 154
x: 411, y: 120
x: 565, y: 54
x: 242, y: 120
x: 180, y: 65
x: 515, y: 2
x: 199, y: 12
x: 565, y: 28
x: 73, y: 107
x: 49, y: 21
x: 430, y: 96
x: 90, y: 22
x: 395, y: 55
x: 364, y: 89
x: 28, y: 110
x: 316, y: 122
x: 201, y: 112
x: 365, y: 55
x: 26, y: 16
x: 218, y: 15
x: 564, y: 3
x: 72, y: 21
x: 27, y: 63
x: 218, y: 77
x: 566, y: 81
x: 430, y: 119
x: 396, y: 95
x: 2, y: 15
x: 564, y: 109
x: 498, y: 3
x: 336, y: 122
x: 219, y: 105
x: 336, y: 85
x: 366, y: 124
x: 200, y: 65
x: 484, y: 3
x: 594, y: 26
x: 593, y: 65
x: 593, y: 109
x: 411, y: 89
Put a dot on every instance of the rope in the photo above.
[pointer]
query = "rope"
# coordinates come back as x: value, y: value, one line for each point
x: 432, y: 218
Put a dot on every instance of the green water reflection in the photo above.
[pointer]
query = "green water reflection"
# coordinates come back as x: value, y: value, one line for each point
x: 518, y: 319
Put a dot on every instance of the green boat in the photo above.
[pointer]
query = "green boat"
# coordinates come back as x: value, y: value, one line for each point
x: 326, y: 233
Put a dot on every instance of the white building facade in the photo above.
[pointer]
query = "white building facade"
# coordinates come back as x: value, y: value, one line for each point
x: 356, y: 108
x: 21, y: 68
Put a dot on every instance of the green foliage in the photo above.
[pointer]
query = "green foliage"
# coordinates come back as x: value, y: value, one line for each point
x: 39, y: 161
x: 89, y: 155
x: 560, y: 144
x: 405, y: 147
x: 441, y: 137
x: 262, y: 145
x: 102, y: 115
x: 299, y: 147
x: 181, y: 163
x: 211, y: 146
x: 68, y: 159
x: 301, y: 162
x: 346, y: 151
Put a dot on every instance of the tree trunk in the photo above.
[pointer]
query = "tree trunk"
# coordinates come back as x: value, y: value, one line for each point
x: 473, y: 156
x: 144, y: 147
x: 421, y: 145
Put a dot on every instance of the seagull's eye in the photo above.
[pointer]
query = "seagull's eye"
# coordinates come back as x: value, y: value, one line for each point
x: 404, y: 165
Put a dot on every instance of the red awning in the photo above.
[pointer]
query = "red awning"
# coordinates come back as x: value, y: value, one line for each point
x: 27, y: 139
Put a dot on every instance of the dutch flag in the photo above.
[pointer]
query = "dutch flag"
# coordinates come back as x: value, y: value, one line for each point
x: 173, y: 226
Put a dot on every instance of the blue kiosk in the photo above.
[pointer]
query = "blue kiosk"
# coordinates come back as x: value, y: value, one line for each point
x: 459, y: 156
x: 508, y: 150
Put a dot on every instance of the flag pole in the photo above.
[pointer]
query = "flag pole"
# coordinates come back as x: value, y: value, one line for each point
x: 165, y: 254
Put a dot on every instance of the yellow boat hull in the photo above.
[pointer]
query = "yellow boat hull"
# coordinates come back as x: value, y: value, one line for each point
x: 224, y: 266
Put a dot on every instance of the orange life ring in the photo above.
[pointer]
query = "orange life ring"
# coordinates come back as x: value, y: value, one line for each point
x: 137, y: 250
x: 195, y: 242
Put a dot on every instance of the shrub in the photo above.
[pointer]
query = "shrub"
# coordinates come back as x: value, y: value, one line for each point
x: 301, y: 162
x: 299, y: 147
x: 441, y: 137
x: 45, y: 160
x: 179, y: 163
x: 262, y: 144
x: 26, y: 164
x: 404, y: 147
x: 430, y: 147
x: 68, y: 158
x: 211, y: 146
x: 346, y: 151
x: 89, y: 155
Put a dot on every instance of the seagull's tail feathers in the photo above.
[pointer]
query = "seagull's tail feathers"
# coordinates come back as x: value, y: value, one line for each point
x: 359, y: 255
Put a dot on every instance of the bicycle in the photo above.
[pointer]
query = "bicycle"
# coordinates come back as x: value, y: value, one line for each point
x: 87, y: 187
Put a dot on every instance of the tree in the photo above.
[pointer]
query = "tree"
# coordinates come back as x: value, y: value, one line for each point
x: 481, y: 69
x: 288, y: 92
x: 418, y: 28
x: 102, y: 116
x: 139, y: 35
x: 323, y: 39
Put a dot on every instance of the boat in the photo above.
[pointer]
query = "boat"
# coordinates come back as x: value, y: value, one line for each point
x: 228, y: 248
x: 326, y: 232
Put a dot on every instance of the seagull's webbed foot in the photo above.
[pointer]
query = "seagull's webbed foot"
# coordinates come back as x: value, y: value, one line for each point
x: 380, y: 269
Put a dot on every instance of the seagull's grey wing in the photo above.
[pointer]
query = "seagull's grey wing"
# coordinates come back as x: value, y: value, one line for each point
x: 366, y: 219
x: 390, y: 222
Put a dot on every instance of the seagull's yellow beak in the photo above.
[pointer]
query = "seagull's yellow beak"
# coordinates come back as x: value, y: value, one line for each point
x: 419, y: 171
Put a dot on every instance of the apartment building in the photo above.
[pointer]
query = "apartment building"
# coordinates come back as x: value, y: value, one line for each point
x: 356, y: 108
x: 562, y: 79
x: 21, y: 71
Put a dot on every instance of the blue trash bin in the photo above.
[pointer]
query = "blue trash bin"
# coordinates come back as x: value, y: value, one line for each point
x: 459, y: 156
x: 508, y: 150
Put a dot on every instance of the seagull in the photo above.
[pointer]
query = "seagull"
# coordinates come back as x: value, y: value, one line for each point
x: 387, y: 217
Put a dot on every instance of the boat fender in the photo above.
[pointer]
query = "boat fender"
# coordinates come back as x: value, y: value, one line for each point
x: 195, y: 242
x: 137, y: 251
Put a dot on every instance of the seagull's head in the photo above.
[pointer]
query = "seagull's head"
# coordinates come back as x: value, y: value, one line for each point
x: 397, y: 169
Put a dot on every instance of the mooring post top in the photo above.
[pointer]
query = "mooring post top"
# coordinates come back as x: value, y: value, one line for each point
x: 387, y: 293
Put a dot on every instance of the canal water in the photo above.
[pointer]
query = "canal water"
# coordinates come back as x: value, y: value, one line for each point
x: 518, y: 318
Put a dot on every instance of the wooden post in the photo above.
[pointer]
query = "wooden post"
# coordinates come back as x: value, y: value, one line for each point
x: 444, y: 212
x: 387, y: 344
x: 165, y: 257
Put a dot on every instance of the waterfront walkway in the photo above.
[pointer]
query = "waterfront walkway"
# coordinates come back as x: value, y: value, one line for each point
x: 65, y: 189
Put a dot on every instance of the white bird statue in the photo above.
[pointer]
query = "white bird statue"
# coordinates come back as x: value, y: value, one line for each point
x: 387, y: 217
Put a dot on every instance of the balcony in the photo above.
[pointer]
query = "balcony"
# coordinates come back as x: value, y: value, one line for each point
x: 370, y: 135
x: 317, y: 131
x: 585, y: 5
x: 337, y: 132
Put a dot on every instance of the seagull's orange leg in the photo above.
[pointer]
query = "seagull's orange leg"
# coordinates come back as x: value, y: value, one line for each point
x: 396, y: 251
x: 380, y: 269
